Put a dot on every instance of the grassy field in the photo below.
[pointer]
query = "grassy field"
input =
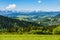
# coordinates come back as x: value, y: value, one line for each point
x: 29, y: 37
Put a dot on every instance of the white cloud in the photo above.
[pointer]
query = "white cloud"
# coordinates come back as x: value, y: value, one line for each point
x: 10, y: 7
x: 39, y: 1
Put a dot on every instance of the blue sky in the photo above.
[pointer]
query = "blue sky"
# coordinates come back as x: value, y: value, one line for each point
x: 43, y: 5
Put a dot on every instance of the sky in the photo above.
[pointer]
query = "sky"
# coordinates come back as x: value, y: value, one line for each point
x: 31, y: 5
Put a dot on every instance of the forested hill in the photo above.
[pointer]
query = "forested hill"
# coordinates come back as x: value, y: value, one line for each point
x: 14, y: 25
x: 9, y: 23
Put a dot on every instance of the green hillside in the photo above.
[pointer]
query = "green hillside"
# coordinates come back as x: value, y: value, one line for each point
x: 20, y: 26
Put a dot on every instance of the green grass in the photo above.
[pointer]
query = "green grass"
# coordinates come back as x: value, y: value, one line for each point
x: 29, y: 37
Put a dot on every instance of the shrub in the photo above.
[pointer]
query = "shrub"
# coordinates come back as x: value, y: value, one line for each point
x: 56, y: 30
x: 35, y: 31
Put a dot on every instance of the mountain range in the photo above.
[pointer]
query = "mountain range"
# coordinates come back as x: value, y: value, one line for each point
x: 12, y: 21
x: 29, y: 16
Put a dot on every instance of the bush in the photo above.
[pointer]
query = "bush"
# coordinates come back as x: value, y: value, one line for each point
x: 39, y: 32
x: 35, y: 31
x: 56, y: 30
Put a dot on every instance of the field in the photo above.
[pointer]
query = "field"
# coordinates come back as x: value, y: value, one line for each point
x: 29, y: 37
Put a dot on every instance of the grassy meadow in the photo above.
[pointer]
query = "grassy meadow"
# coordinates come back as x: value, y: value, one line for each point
x: 28, y: 37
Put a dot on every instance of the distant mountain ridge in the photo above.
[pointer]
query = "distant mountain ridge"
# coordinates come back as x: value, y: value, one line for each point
x: 29, y: 15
